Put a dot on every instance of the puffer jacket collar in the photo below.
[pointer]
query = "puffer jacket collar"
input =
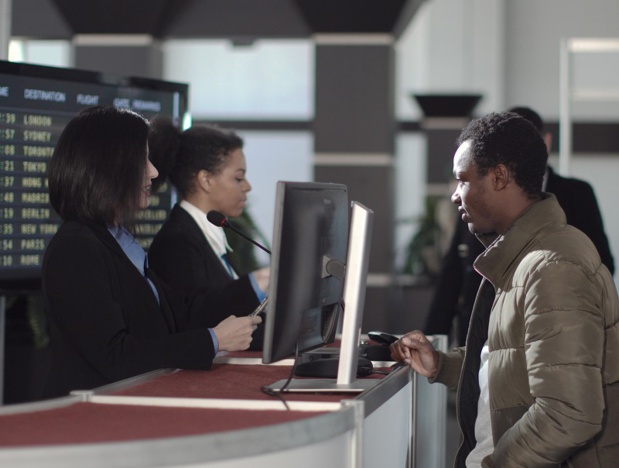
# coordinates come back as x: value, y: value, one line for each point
x: 502, y: 251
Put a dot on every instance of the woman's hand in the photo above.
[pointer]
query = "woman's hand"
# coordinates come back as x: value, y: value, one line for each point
x: 234, y: 333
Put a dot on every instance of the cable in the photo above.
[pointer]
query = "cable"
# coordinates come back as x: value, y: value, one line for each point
x: 269, y: 391
x: 278, y: 394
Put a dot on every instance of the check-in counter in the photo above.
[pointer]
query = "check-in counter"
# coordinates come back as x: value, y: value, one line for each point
x: 221, y: 419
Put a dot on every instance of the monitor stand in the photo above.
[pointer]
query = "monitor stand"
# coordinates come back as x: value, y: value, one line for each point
x: 354, y: 298
x: 323, y: 386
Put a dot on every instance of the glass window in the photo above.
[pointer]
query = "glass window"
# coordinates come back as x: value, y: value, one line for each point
x: 273, y: 156
x: 410, y: 173
x: 43, y: 52
x: 267, y: 80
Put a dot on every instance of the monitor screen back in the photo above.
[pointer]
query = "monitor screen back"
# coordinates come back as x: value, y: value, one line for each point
x: 310, y: 230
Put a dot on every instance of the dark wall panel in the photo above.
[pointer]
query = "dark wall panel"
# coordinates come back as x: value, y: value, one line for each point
x: 141, y: 61
x: 441, y: 148
x: 372, y: 187
x: 238, y: 19
x: 39, y: 19
x: 354, y: 99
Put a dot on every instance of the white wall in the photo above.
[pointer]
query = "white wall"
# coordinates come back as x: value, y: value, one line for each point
x: 268, y: 80
x: 273, y: 156
x: 601, y: 171
x: 533, y: 31
x: 452, y: 46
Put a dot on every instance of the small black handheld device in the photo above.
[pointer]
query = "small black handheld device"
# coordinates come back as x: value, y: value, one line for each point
x: 382, y: 337
x: 260, y: 307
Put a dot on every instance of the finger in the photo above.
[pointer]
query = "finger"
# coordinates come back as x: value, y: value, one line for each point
x: 414, y: 335
x: 406, y: 354
x: 414, y: 342
x: 397, y: 351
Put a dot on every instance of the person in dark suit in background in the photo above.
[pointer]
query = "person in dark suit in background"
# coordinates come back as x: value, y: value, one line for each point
x: 458, y: 282
x: 206, y: 165
x: 110, y: 316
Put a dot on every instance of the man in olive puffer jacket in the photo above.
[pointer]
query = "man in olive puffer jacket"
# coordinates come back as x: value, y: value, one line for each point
x: 538, y: 379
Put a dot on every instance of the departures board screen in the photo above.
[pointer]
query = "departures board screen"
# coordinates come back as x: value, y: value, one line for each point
x: 36, y: 103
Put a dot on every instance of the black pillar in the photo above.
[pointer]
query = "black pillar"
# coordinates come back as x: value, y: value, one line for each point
x: 354, y: 134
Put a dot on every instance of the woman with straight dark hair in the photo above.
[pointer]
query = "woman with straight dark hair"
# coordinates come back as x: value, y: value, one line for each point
x: 110, y: 316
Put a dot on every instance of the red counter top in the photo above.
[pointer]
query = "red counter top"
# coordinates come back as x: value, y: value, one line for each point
x: 226, y: 381
x: 112, y: 420
x: 90, y: 423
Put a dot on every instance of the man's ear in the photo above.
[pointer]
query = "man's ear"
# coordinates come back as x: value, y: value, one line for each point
x: 501, y: 177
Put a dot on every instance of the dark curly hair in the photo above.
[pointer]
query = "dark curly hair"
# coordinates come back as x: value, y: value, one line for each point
x: 179, y: 155
x: 509, y: 139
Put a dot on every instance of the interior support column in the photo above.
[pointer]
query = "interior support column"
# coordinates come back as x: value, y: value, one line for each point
x: 354, y: 133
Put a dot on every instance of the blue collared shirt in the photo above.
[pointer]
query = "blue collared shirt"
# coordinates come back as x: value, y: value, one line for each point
x: 134, y: 251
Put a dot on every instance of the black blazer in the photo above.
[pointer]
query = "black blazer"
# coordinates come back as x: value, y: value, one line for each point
x: 458, y: 282
x: 183, y: 258
x: 578, y: 200
x: 104, y: 319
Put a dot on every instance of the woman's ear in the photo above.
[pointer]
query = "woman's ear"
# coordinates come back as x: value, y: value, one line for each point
x: 203, y: 180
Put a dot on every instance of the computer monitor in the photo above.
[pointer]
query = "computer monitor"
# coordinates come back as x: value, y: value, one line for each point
x: 310, y: 234
x: 314, y: 273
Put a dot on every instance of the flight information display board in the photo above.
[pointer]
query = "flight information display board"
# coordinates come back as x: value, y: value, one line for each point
x: 35, y: 105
